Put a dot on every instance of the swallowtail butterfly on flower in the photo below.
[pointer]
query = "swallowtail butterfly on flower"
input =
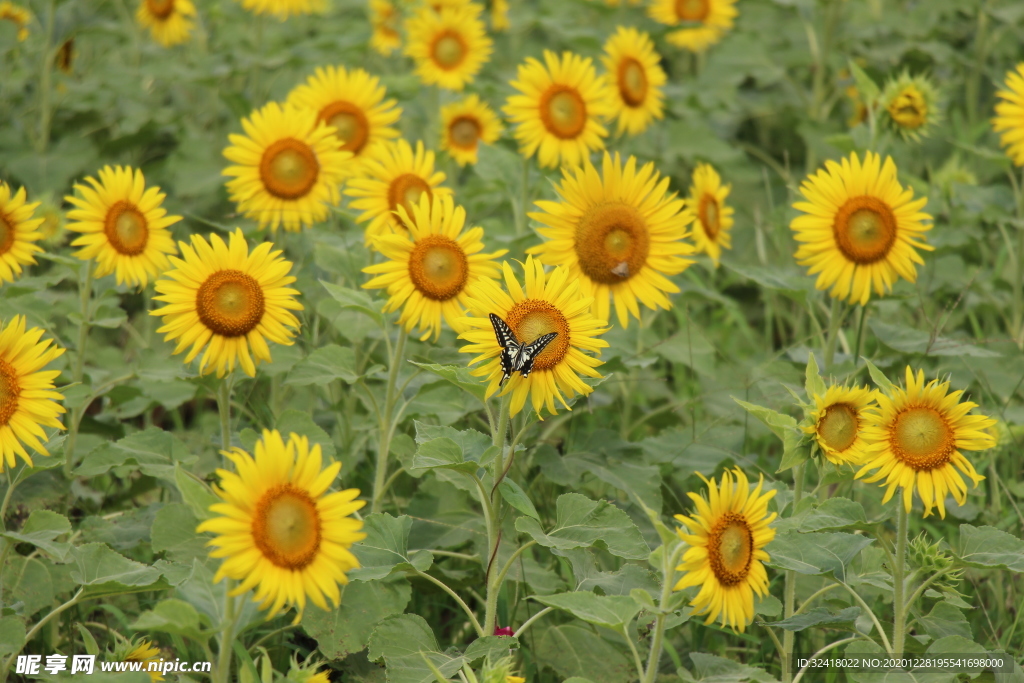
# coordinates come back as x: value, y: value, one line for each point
x: 515, y: 355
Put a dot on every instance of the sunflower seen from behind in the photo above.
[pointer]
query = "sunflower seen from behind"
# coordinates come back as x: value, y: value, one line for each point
x: 123, y: 224
x: 837, y: 421
x: 712, y: 231
x: 860, y: 229
x: 1009, y: 119
x: 911, y: 105
x: 635, y: 80
x: 282, y: 9
x: 19, y: 232
x: 449, y: 46
x: 170, y: 22
x: 698, y: 24
x: 280, y: 531
x: 227, y: 301
x: 466, y: 124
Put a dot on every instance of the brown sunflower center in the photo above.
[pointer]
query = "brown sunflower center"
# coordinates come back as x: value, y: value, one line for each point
x: 286, y: 527
x: 612, y: 243
x: 864, y: 229
x: 632, y: 80
x: 289, y: 169
x: 406, y: 190
x: 709, y: 213
x: 126, y: 229
x: 230, y: 303
x: 730, y: 549
x: 7, y: 233
x: 161, y: 9
x: 10, y: 390
x: 350, y: 124
x: 532, y: 318
x: 692, y: 10
x: 438, y: 267
x: 909, y: 109
x: 449, y: 50
x: 922, y: 439
x: 838, y: 426
x: 563, y: 112
x: 465, y: 132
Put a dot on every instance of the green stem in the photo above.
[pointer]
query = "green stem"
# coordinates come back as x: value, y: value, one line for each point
x: 830, y: 646
x: 508, y: 563
x: 899, y: 622
x: 835, y: 317
x: 45, y: 73
x: 380, y: 479
x: 524, y: 199
x: 55, y: 612
x: 668, y: 570
x: 227, y: 636
x: 462, y: 603
x: 789, y: 597
x: 973, y: 85
x: 85, y: 311
x: 867, y: 610
x: 494, y: 518
x: 860, y: 333
x: 637, y: 662
x: 1017, y: 333
x: 224, y: 410
x: 529, y: 622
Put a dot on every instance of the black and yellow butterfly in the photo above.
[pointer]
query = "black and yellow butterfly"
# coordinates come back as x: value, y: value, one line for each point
x: 515, y: 355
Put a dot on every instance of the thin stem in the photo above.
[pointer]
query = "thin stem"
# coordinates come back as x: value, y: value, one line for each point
x: 668, y: 569
x: 924, y: 585
x: 899, y: 623
x: 867, y: 610
x: 223, y: 672
x: 1017, y: 333
x: 529, y: 622
x: 45, y: 73
x: 637, y: 662
x: 835, y: 317
x: 775, y: 639
x: 494, y: 525
x: 384, y: 446
x: 508, y: 563
x: 224, y: 410
x: 524, y: 199
x: 860, y: 333
x: 462, y: 603
x: 815, y: 595
x: 7, y: 501
x: 830, y: 646
x: 275, y: 632
x: 55, y: 612
x: 789, y: 596
x: 85, y: 311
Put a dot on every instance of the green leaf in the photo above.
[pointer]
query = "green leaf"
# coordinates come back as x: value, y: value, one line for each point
x: 909, y: 340
x: 386, y: 548
x: 945, y: 620
x: 400, y: 640
x: 611, y: 611
x: 26, y: 580
x: 173, y: 616
x: 584, y: 523
x: 174, y: 533
x: 355, y: 300
x: 774, y: 420
x: 573, y: 650
x: 459, y: 376
x: 987, y: 546
x: 91, y: 647
x: 41, y: 528
x: 12, y: 635
x: 105, y: 572
x: 299, y: 422
x: 768, y: 605
x: 474, y: 444
x: 442, y: 453
x: 324, y: 365
x: 364, y: 604
x: 866, y: 86
x: 515, y: 496
x: 490, y: 647
x: 879, y: 378
x: 714, y: 669
x: 819, y: 616
x: 958, y: 645
x: 196, y: 494
x: 833, y: 513
x: 814, y: 385
x: 154, y: 452
x: 815, y: 553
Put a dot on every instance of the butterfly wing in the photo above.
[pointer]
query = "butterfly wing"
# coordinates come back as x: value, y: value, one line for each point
x: 531, y: 351
x: 510, y: 347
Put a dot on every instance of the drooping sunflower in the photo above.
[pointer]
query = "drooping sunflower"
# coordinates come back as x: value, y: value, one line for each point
x: 229, y: 301
x: 1009, y: 119
x: 280, y: 531
x: 558, y: 109
x: 549, y: 303
x: 350, y: 101
x: 635, y: 80
x: 288, y: 167
x: 727, y: 536
x: 702, y: 22
x: 464, y: 125
x: 282, y: 9
x: 19, y: 232
x: 169, y: 21
x: 619, y: 233
x: 911, y: 103
x: 28, y: 401
x: 915, y: 439
x: 396, y: 176
x: 143, y: 652
x: 860, y: 229
x: 430, y: 270
x: 384, y: 19
x: 838, y: 421
x: 123, y: 225
x: 449, y: 47
x: 714, y: 218
x: 17, y: 15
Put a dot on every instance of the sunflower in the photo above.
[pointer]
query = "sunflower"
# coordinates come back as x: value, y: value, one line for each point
x: 397, y: 176
x: 499, y: 15
x: 714, y: 218
x: 634, y: 79
x: 430, y: 270
x: 549, y: 303
x: 17, y: 15
x: 619, y: 234
x: 280, y: 531
x: 727, y: 536
x: 911, y: 104
x: 19, y: 232
x: 703, y: 22
x: 282, y: 9
x: 464, y: 125
x: 384, y: 20
x: 168, y: 21
x: 143, y: 652
x: 28, y: 401
x: 350, y: 101
x: 123, y: 225
x: 558, y: 109
x: 449, y: 47
x: 229, y: 301
x: 288, y: 167
x: 838, y: 421
x: 915, y: 438
x: 860, y: 229
x: 1009, y: 120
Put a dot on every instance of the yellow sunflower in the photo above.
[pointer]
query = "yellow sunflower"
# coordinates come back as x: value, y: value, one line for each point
x: 350, y: 101
x: 915, y: 438
x: 449, y: 47
x: 702, y: 22
x: 123, y: 225
x: 549, y: 303
x: 17, y: 15
x: 384, y: 19
x: 228, y: 301
x: 430, y: 271
x: 19, y: 232
x: 169, y: 21
x: 838, y: 422
x: 28, y: 401
x: 282, y: 9
x: 558, y: 109
x: 143, y: 652
x: 281, y: 532
x: 727, y: 536
x: 1009, y: 119
x: 464, y: 125
x: 288, y: 167
x: 499, y: 15
x: 714, y: 218
x: 619, y: 233
x: 861, y: 228
x: 911, y: 103
x: 397, y: 176
x: 635, y: 80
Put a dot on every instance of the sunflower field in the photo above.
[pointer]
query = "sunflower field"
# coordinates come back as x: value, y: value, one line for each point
x: 508, y: 341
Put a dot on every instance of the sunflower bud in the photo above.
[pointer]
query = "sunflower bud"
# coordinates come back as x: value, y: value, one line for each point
x: 911, y: 105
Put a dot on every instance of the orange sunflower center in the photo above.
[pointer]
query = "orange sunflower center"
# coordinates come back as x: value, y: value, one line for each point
x: 632, y: 81
x: 161, y: 9
x: 286, y: 527
x: 532, y: 318
x: 465, y: 132
x: 864, y: 229
x: 730, y: 549
x: 438, y: 267
x: 838, y: 426
x: 612, y: 242
x: 922, y: 439
x: 563, y: 112
x: 406, y: 190
x: 449, y: 50
x: 126, y: 229
x: 289, y: 169
x: 230, y: 303
x: 7, y: 234
x: 10, y: 390
x: 692, y: 10
x: 909, y: 108
x: 709, y: 213
x: 350, y: 124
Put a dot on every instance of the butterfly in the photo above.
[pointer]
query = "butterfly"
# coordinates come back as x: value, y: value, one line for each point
x: 515, y: 355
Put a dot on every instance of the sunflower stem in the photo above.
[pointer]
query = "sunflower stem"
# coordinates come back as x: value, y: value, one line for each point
x: 1017, y: 333
x: 524, y: 199
x: 380, y: 480
x: 85, y: 311
x: 860, y: 333
x: 834, y: 319
x: 668, y: 570
x: 493, y: 505
x: 227, y: 636
x: 789, y: 597
x: 224, y: 409
x: 899, y: 622
x: 45, y: 71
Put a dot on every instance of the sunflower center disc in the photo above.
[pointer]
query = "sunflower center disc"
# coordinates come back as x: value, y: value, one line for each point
x: 126, y: 229
x: 922, y: 439
x: 6, y: 234
x: 532, y: 318
x: 289, y: 169
x: 230, y: 303
x: 692, y: 10
x: 286, y: 527
x: 632, y: 82
x: 909, y: 109
x: 350, y: 125
x: 730, y: 549
x: 9, y: 392
x: 438, y: 267
x: 161, y: 9
x: 838, y: 426
x: 608, y: 236
x: 449, y: 51
x: 563, y: 112
x: 465, y: 132
x: 709, y: 215
x: 406, y: 191
x: 864, y: 229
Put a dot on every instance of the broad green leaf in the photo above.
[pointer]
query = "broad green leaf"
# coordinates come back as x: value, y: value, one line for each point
x: 866, y: 86
x: 299, y: 422
x: 620, y: 582
x: 12, y: 635
x: 713, y: 669
x: 356, y: 300
x: 833, y: 513
x: 788, y: 281
x: 987, y: 546
x: 796, y: 449
x: 945, y: 620
x: 774, y: 420
x: 490, y: 647
x: 91, y: 647
x: 816, y: 553
x: 768, y: 605
x: 611, y: 611
x: 814, y: 385
x: 41, y: 528
x: 459, y: 376
x: 818, y: 616
x: 105, y: 572
x: 364, y: 604
x: 174, y: 533
x: 909, y: 340
x: 958, y: 645
x: 473, y: 444
x: 196, y: 494
x: 442, y: 453
x: 208, y: 597
x: 879, y: 378
x: 324, y: 365
x: 401, y: 641
x: 154, y: 452
x: 386, y: 548
x: 515, y: 496
x: 573, y: 650
x: 173, y: 616
x: 583, y: 523
x: 26, y: 580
